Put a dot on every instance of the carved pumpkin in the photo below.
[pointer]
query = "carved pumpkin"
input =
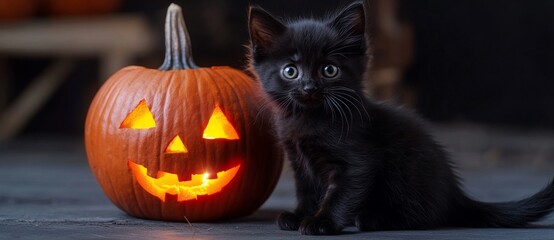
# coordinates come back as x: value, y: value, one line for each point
x: 182, y: 143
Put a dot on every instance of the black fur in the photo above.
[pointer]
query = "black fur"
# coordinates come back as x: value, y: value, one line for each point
x: 357, y: 161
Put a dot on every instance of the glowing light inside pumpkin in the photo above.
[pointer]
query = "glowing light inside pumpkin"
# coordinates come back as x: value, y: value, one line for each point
x: 168, y: 183
x: 219, y: 127
x: 139, y: 118
x: 176, y: 146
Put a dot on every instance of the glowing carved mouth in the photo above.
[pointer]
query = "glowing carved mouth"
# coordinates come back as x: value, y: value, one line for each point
x: 185, y: 190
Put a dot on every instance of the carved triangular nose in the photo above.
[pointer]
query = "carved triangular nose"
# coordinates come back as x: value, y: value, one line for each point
x: 176, y: 146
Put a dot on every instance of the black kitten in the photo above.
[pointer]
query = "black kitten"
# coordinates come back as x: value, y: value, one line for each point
x: 357, y: 161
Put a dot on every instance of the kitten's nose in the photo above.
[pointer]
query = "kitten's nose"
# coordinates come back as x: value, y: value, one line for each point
x: 309, y: 89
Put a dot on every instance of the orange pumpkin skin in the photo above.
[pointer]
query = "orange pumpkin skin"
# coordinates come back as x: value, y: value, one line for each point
x: 181, y: 102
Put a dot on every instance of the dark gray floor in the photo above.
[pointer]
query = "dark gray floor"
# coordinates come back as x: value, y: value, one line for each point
x: 48, y: 192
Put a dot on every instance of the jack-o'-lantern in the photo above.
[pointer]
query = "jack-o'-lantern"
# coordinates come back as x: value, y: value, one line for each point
x: 182, y: 143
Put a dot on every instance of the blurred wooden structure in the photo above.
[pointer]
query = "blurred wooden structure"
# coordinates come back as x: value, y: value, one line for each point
x: 392, y: 41
x: 114, y: 40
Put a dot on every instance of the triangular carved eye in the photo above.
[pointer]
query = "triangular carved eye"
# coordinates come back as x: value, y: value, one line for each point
x: 139, y: 118
x: 219, y: 127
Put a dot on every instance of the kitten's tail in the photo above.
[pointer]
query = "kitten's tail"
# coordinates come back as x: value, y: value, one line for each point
x: 507, y: 214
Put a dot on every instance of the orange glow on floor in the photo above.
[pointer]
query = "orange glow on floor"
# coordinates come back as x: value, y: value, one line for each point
x: 219, y: 127
x: 169, y: 183
x: 139, y: 118
x: 176, y: 146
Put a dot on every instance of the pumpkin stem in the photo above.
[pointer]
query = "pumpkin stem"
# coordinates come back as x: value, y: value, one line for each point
x: 178, y: 53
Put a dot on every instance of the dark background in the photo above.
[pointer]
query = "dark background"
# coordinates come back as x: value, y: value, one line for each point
x: 485, y: 61
x: 489, y: 62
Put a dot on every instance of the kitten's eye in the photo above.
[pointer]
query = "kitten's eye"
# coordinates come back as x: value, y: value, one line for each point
x: 290, y: 72
x: 330, y: 71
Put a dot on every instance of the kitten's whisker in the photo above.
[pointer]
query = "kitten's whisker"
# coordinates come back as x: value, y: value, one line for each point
x: 269, y: 104
x: 344, y: 50
x: 342, y: 47
x: 294, y: 106
x: 339, y: 99
x: 327, y: 105
x: 287, y: 103
x: 360, y: 100
x: 350, y: 100
x: 262, y: 109
x: 349, y: 111
x: 339, y: 55
x: 350, y: 97
x: 345, y: 92
x: 344, y: 54
x: 342, y: 88
x: 341, y: 117
x: 353, y: 105
x: 283, y: 102
x: 344, y: 118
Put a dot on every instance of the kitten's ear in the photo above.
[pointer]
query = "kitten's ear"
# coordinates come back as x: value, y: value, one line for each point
x: 351, y: 20
x: 264, y: 28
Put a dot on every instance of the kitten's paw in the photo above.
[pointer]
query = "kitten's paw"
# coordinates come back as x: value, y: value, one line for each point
x: 288, y: 221
x: 319, y: 226
x: 365, y: 224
